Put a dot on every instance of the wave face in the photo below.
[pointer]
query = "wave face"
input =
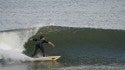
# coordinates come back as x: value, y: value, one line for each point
x: 83, y: 46
x: 107, y: 14
x: 12, y: 44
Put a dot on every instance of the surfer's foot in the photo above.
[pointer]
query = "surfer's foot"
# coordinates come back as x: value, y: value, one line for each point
x: 44, y: 56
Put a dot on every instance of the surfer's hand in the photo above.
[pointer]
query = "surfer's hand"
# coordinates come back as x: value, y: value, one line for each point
x: 51, y: 44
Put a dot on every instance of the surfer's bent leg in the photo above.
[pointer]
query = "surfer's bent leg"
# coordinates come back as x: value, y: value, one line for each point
x: 35, y: 50
x: 43, y: 51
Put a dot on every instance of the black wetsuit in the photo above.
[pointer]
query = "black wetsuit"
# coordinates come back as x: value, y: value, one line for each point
x: 39, y: 45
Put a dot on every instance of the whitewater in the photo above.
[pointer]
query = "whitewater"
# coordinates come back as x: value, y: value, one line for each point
x: 12, y: 42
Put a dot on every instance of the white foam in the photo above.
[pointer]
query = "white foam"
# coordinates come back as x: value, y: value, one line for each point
x: 13, y: 55
x: 11, y: 44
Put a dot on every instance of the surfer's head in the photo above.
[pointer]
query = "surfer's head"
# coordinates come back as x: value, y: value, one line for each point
x: 42, y: 37
x: 34, y: 39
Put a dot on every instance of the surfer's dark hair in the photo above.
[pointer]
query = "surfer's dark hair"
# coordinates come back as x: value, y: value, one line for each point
x: 34, y: 39
x: 42, y: 36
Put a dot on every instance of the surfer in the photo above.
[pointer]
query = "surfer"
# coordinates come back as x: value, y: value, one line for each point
x: 39, y: 45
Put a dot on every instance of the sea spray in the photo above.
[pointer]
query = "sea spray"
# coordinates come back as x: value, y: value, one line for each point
x: 11, y: 44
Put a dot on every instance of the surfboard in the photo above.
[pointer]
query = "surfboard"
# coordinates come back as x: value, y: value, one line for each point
x: 48, y: 58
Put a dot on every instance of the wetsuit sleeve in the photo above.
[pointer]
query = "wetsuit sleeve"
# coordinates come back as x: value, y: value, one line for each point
x: 44, y: 41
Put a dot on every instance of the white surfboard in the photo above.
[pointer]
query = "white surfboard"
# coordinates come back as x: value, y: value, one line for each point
x: 48, y: 58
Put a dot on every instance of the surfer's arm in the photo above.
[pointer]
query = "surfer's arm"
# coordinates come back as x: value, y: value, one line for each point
x: 31, y: 39
x: 51, y: 44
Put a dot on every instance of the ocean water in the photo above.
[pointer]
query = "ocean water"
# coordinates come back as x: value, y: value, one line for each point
x: 106, y: 14
x: 88, y: 34
x: 79, y: 48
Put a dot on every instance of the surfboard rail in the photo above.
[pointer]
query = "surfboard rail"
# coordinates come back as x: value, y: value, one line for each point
x: 48, y: 58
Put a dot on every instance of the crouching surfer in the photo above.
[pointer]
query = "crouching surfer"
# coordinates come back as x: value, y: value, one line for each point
x: 39, y: 45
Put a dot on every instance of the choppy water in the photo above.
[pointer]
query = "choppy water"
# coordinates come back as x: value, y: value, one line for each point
x: 57, y: 66
x: 106, y: 14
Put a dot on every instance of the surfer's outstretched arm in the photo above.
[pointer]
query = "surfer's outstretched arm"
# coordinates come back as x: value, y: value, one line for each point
x: 51, y: 44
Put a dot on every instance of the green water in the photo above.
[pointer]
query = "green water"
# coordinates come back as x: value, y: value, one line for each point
x: 83, y: 45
